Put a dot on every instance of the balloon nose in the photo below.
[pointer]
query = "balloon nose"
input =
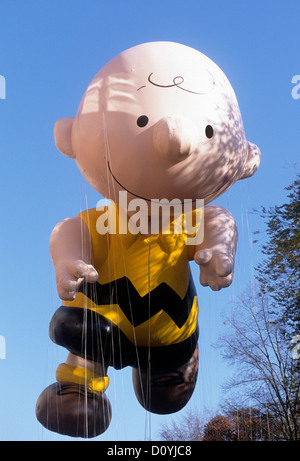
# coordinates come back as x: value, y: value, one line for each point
x: 174, y: 138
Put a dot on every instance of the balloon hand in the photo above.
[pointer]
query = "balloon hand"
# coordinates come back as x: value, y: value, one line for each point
x: 216, y: 268
x: 70, y: 275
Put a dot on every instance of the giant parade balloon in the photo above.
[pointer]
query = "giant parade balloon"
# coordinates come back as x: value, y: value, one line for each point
x: 159, y: 135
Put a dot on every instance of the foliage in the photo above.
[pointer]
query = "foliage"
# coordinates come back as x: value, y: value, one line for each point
x: 240, y: 424
x: 279, y: 272
x: 265, y: 370
x: 261, y: 344
x: 235, y: 424
x: 218, y: 429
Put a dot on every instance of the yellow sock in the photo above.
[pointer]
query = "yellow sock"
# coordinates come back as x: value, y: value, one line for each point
x: 82, y: 376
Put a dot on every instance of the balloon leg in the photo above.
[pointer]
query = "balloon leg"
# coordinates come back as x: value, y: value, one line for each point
x: 76, y: 405
x: 166, y: 392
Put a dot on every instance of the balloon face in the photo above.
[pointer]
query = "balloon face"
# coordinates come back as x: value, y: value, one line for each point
x: 160, y: 120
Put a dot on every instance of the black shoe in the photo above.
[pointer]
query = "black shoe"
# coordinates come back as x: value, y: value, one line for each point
x: 71, y: 409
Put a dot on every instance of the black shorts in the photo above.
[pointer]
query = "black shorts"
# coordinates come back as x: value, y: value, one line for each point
x: 88, y: 334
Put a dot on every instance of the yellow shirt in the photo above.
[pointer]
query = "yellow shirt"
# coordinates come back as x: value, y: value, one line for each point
x: 144, y: 286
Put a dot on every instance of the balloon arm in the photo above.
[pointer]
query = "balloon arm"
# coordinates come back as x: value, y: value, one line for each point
x: 215, y: 255
x: 71, y: 252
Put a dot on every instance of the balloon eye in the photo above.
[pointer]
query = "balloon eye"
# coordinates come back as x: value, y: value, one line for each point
x: 209, y: 131
x: 142, y: 121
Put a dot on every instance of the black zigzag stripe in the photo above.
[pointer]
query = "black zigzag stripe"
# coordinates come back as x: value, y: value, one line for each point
x: 136, y: 307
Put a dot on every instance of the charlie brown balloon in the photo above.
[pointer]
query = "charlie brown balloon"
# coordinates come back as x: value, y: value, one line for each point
x: 159, y: 134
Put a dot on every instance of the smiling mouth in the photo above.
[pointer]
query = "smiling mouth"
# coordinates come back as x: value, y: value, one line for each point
x: 219, y: 187
x: 125, y: 188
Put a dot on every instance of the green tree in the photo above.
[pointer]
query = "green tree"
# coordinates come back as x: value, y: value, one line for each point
x: 279, y: 272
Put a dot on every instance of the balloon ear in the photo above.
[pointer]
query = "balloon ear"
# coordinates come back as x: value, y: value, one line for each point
x: 63, y: 136
x: 252, y: 162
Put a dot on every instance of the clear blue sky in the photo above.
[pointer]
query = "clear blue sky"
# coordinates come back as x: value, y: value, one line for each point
x: 49, y: 52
